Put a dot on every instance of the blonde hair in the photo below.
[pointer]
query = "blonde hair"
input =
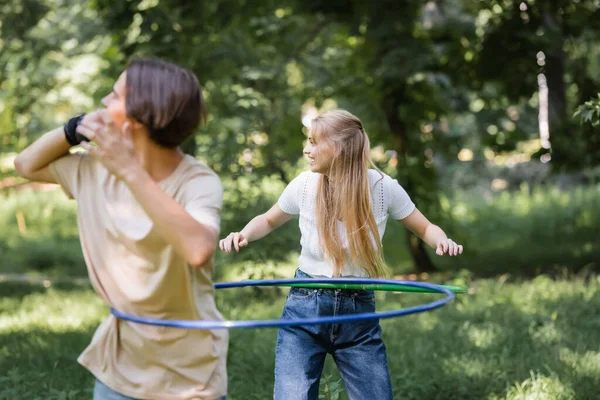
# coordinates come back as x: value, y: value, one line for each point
x: 344, y: 194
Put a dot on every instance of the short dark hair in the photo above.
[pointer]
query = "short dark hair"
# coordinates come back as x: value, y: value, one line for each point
x: 166, y: 98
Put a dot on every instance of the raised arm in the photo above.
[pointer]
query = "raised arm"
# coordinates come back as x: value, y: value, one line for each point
x: 431, y: 234
x: 259, y: 227
x: 32, y: 163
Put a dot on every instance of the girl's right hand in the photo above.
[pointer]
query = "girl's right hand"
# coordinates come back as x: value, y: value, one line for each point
x: 235, y: 238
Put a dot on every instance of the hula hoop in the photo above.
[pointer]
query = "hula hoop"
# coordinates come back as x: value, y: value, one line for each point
x: 203, y: 324
x: 379, y: 287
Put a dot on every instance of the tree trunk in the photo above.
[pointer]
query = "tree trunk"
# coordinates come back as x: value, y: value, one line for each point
x: 392, y: 102
x: 417, y: 250
x: 562, y: 141
x: 555, y: 73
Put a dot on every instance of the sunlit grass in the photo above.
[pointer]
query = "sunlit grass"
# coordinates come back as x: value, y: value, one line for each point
x: 528, y: 231
x: 51, y: 311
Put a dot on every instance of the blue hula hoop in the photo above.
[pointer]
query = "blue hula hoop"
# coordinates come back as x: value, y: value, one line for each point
x: 203, y: 324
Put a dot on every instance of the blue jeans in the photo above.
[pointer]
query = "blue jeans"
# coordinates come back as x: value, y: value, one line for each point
x: 356, y: 347
x: 103, y: 392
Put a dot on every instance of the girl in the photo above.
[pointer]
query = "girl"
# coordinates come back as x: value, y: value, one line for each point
x: 148, y: 219
x: 343, y: 207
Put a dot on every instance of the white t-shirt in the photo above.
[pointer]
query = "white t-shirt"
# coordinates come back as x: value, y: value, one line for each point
x: 388, y: 199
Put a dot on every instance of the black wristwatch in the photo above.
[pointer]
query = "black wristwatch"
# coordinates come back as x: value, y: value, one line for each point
x: 73, y: 137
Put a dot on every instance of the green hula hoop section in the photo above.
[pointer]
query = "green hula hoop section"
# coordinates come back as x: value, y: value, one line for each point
x: 382, y: 287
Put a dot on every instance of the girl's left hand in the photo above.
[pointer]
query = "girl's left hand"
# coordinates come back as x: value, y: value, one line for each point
x: 114, y: 148
x: 448, y: 246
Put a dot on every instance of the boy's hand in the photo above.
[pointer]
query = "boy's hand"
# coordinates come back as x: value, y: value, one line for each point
x: 114, y: 147
x: 92, y: 118
x: 448, y: 246
x: 235, y: 238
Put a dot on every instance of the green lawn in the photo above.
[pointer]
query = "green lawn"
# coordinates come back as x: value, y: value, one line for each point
x: 524, y: 340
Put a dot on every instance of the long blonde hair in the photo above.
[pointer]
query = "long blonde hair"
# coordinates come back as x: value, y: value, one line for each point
x: 344, y: 194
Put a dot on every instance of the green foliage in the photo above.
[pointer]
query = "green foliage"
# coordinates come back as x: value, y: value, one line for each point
x: 589, y: 112
x: 519, y: 340
x: 330, y: 390
x: 49, y: 66
x: 553, y: 44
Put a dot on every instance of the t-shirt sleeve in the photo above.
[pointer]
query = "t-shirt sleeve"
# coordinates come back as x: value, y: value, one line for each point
x: 67, y: 171
x: 288, y: 201
x: 205, y: 200
x: 400, y: 205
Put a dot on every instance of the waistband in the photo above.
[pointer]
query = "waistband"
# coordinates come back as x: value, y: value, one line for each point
x: 303, y: 275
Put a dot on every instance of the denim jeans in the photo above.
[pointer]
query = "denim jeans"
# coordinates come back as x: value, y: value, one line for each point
x: 356, y: 347
x: 103, y: 392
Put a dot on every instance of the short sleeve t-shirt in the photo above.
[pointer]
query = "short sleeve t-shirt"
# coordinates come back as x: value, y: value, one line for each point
x: 138, y: 272
x: 388, y: 199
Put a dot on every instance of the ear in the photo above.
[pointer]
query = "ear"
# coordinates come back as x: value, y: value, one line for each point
x: 136, y: 125
x: 130, y: 125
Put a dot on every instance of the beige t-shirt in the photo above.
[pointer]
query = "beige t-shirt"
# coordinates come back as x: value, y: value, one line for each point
x: 137, y: 272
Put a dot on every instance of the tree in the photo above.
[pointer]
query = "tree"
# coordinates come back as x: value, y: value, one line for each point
x: 549, y: 39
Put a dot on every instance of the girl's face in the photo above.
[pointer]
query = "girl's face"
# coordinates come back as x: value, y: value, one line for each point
x: 319, y: 152
x: 115, y: 102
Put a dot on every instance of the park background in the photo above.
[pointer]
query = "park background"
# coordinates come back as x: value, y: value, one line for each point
x: 487, y: 112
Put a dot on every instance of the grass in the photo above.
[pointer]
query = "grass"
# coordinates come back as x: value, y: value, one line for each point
x: 533, y: 339
x: 527, y: 232
x: 38, y: 234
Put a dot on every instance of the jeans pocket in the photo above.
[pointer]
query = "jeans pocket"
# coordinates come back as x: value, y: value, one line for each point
x: 299, y: 293
x: 366, y: 296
